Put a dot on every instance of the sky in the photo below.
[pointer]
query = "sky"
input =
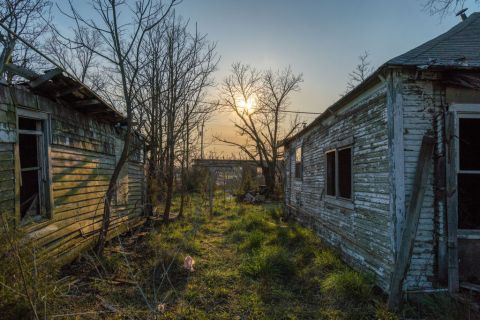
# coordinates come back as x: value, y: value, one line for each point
x: 321, y: 39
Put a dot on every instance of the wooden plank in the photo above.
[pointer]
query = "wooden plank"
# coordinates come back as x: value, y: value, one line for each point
x: 50, y: 74
x: 81, y: 164
x: 72, y: 90
x: 470, y: 286
x: 84, y: 103
x: 20, y: 71
x: 70, y: 153
x: 452, y: 203
x: 78, y: 191
x: 76, y: 198
x: 77, y: 171
x: 73, y: 185
x: 71, y: 250
x: 411, y: 222
x: 79, y: 177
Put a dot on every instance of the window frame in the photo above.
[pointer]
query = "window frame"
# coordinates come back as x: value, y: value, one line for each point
x: 463, y: 111
x: 45, y: 158
x: 337, y: 199
x: 298, y: 175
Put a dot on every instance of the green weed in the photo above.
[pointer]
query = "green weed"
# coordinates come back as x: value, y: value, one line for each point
x: 347, y: 285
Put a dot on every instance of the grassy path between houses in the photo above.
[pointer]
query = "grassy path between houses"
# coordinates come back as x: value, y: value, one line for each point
x: 249, y: 264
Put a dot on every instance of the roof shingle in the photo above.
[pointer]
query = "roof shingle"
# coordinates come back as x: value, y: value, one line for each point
x: 458, y: 47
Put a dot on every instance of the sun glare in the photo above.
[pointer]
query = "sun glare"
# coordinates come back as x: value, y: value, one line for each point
x: 247, y: 105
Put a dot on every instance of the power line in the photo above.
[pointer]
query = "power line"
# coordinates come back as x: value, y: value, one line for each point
x: 283, y: 111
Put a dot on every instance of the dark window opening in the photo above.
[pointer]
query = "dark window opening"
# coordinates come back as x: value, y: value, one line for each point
x: 27, y: 124
x: 345, y: 173
x: 339, y: 173
x: 331, y: 173
x: 298, y: 163
x: 469, y: 175
x: 32, y: 189
x: 469, y: 133
x: 468, y: 201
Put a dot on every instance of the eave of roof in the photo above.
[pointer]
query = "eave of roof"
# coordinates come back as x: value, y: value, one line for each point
x: 76, y: 95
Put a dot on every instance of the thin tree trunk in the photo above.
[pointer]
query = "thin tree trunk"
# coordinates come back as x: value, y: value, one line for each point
x: 102, y: 238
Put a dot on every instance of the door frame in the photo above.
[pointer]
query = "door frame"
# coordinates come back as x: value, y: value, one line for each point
x: 46, y: 174
x: 456, y: 112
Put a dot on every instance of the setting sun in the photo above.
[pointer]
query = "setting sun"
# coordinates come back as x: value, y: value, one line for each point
x: 247, y: 105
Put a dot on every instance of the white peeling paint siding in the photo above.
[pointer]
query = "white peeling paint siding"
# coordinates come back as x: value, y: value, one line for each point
x: 362, y: 235
x: 422, y: 114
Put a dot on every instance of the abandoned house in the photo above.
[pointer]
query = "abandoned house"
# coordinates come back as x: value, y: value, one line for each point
x: 390, y: 173
x: 59, y: 143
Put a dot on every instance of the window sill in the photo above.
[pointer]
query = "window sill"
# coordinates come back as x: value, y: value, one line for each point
x: 340, y: 202
x: 38, y: 221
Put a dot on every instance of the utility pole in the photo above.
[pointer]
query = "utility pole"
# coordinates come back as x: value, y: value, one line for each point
x: 201, y: 139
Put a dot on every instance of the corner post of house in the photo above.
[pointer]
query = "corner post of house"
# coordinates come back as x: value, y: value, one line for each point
x: 395, y: 120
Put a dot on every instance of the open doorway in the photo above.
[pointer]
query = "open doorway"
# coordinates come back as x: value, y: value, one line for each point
x: 468, y: 193
x: 32, y: 144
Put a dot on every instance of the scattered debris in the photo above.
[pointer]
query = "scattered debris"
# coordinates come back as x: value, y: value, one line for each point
x: 161, y: 307
x: 249, y: 197
x: 254, y: 197
x: 188, y: 263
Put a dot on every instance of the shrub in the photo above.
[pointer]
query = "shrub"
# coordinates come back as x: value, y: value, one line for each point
x: 28, y: 279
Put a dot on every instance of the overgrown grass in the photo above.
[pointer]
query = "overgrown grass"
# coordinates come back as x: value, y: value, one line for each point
x: 249, y: 265
x: 298, y: 277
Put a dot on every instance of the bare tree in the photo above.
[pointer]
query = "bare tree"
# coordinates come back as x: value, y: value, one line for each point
x: 173, y: 85
x: 444, y: 7
x: 122, y: 30
x: 80, y: 61
x: 259, y: 101
x: 362, y: 70
x: 28, y: 19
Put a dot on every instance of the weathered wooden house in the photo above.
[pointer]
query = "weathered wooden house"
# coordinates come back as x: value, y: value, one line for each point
x: 59, y: 144
x: 390, y: 173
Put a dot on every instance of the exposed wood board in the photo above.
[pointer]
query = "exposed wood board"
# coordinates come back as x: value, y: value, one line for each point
x: 470, y: 286
x: 397, y: 155
x: 21, y: 71
x: 44, y: 78
x: 85, y: 103
x: 71, y: 90
x: 411, y: 222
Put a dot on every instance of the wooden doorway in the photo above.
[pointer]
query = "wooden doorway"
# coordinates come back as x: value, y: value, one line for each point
x: 466, y: 194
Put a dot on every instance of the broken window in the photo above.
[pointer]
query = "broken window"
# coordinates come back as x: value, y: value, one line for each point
x: 331, y: 173
x: 339, y: 173
x: 469, y: 174
x: 298, y: 163
x: 345, y: 173
x: 33, y: 169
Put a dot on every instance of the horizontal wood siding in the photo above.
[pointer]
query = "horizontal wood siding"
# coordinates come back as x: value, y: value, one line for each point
x: 7, y: 178
x: 363, y: 234
x: 82, y: 161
